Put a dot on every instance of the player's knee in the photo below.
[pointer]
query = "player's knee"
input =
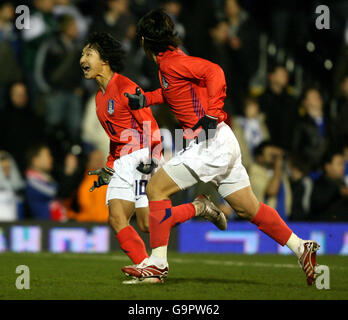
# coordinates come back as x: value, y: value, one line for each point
x: 248, y: 213
x: 155, y: 191
x: 152, y: 191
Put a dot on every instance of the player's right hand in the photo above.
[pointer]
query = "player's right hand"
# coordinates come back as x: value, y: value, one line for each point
x: 104, y: 177
x: 208, y: 124
x: 136, y: 101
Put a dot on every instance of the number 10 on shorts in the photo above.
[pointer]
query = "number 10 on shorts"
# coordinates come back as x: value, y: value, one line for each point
x: 140, y: 187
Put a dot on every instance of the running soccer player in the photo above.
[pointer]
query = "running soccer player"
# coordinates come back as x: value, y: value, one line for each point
x: 135, y: 148
x: 195, y: 90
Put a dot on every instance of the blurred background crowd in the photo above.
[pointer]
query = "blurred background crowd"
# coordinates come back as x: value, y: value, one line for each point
x: 287, y: 101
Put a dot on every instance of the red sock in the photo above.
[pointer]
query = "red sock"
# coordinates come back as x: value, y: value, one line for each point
x: 268, y: 220
x: 163, y: 217
x: 183, y: 213
x: 132, y: 244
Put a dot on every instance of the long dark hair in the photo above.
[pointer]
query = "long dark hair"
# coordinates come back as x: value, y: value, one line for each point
x: 157, y: 29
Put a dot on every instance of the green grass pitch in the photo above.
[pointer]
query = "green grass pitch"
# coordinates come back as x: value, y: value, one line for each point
x: 191, y: 276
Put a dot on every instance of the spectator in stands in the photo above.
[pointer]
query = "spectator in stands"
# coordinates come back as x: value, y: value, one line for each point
x: 69, y: 175
x: 269, y: 180
x: 244, y: 49
x: 93, y: 133
x: 341, y: 124
x: 330, y: 194
x: 345, y: 156
x: 279, y: 107
x: 41, y: 189
x: 216, y: 50
x: 19, y: 126
x: 11, y: 187
x: 301, y: 187
x: 66, y: 7
x: 116, y: 20
x: 140, y: 8
x: 42, y: 25
x: 9, y: 50
x: 313, y: 132
x: 119, y: 21
x: 8, y: 31
x: 341, y: 62
x: 86, y: 205
x: 173, y: 9
x: 196, y: 16
x: 58, y: 74
x: 288, y: 24
x: 250, y: 130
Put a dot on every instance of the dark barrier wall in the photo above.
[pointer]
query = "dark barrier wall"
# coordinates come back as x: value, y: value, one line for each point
x: 243, y: 237
x: 36, y: 236
x: 240, y: 237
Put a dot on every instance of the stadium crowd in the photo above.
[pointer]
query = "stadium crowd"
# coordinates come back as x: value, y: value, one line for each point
x: 287, y: 101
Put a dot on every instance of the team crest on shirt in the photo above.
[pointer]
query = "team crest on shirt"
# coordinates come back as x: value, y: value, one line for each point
x: 164, y: 82
x: 111, y: 106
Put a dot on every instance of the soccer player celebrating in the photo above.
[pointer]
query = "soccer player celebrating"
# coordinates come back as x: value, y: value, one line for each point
x: 195, y: 90
x: 135, y: 148
x: 102, y: 60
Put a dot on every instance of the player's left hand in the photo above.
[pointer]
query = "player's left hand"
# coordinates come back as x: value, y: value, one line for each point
x: 104, y: 177
x: 208, y: 124
x: 136, y: 101
x: 147, y: 168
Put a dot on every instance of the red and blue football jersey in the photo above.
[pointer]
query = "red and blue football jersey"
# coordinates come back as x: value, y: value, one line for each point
x: 128, y: 130
x: 191, y: 86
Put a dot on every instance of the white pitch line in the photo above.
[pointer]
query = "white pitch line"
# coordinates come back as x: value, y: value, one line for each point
x: 188, y: 261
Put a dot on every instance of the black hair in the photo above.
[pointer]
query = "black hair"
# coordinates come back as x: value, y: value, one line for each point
x: 250, y: 99
x: 157, y: 29
x: 34, y: 150
x: 164, y: 2
x: 308, y: 88
x: 312, y: 87
x: 225, y: 1
x: 109, y: 49
x: 330, y: 154
x: 6, y: 3
x: 64, y: 21
x: 258, y: 151
x: 344, y: 141
x: 300, y: 162
x: 214, y: 21
x: 274, y: 66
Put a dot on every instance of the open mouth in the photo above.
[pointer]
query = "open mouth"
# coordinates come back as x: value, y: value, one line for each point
x: 85, y: 68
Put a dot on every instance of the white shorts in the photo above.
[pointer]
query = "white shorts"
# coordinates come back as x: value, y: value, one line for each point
x: 127, y: 183
x: 219, y: 162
